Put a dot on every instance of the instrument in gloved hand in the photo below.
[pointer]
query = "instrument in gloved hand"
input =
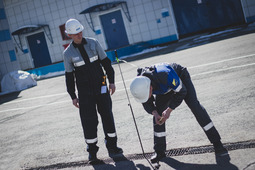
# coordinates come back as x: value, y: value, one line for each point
x: 160, y: 120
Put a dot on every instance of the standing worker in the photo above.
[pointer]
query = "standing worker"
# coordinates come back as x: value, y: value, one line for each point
x: 83, y: 61
x: 171, y: 84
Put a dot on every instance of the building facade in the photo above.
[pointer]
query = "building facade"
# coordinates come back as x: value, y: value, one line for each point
x: 8, y: 59
x: 32, y: 31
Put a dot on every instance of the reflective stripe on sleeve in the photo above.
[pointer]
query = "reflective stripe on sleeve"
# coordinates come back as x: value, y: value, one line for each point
x: 112, y: 135
x: 160, y: 134
x: 208, y: 126
x: 91, y: 140
x: 92, y: 59
x: 179, y: 87
x: 80, y: 63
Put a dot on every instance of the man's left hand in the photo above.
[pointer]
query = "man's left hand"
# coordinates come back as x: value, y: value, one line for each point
x: 112, y: 88
x: 166, y: 115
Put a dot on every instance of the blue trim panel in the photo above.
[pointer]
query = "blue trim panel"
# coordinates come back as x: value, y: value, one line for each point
x: 98, y: 32
x: 163, y: 40
x: 132, y: 49
x: 2, y: 13
x: 5, y: 35
x: 48, y: 69
x: 135, y: 48
x: 250, y: 19
x: 165, y: 14
x: 25, y: 51
x: 12, y: 55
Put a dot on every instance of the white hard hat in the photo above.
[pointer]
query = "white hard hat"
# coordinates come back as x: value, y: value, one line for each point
x: 140, y: 88
x: 73, y: 26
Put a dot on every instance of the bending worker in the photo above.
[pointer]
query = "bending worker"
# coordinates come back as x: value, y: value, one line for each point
x: 171, y: 84
x: 83, y: 61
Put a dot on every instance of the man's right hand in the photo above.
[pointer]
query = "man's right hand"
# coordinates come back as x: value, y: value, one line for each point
x: 76, y: 102
x: 157, y: 117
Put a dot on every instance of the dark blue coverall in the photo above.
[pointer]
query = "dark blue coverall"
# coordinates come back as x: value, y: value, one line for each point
x: 171, y: 85
x: 83, y: 64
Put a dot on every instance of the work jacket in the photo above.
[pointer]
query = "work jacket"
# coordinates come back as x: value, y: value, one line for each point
x: 165, y: 79
x: 86, y: 73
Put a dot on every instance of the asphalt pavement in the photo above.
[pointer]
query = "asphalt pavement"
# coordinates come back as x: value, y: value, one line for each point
x: 40, y: 129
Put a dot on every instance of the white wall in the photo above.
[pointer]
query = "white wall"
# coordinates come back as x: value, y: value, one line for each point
x: 8, y: 60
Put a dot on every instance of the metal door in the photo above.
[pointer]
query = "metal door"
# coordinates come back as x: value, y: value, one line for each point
x: 114, y: 30
x: 39, y: 49
x: 199, y: 15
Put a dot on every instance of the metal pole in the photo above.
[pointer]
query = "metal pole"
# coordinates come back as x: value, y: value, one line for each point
x: 129, y: 104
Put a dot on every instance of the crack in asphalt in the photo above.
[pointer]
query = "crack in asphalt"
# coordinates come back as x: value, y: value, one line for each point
x: 250, y: 165
x: 169, y: 153
x: 10, y: 118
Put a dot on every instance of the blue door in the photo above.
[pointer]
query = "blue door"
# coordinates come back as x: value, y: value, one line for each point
x: 114, y: 30
x: 39, y: 49
x: 202, y: 15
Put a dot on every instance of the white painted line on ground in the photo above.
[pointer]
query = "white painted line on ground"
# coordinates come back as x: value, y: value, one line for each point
x: 222, y: 61
x: 204, y: 73
x: 208, y: 72
x: 120, y: 90
x: 202, y: 65
x: 39, y: 97
x: 225, y: 69
x: 32, y: 107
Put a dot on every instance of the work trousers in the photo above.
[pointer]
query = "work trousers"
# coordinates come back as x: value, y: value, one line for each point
x: 89, y: 106
x: 197, y: 109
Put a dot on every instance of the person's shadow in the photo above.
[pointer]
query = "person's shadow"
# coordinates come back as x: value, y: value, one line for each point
x: 120, y: 162
x: 175, y: 164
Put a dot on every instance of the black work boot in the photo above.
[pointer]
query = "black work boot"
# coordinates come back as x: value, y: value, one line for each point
x: 92, y: 150
x: 114, y: 151
x: 111, y: 145
x: 93, y: 160
x: 221, y: 154
x: 158, y: 155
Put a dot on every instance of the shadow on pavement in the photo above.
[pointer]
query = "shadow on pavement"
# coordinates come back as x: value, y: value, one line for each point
x: 181, y: 165
x: 120, y: 162
x: 9, y: 97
